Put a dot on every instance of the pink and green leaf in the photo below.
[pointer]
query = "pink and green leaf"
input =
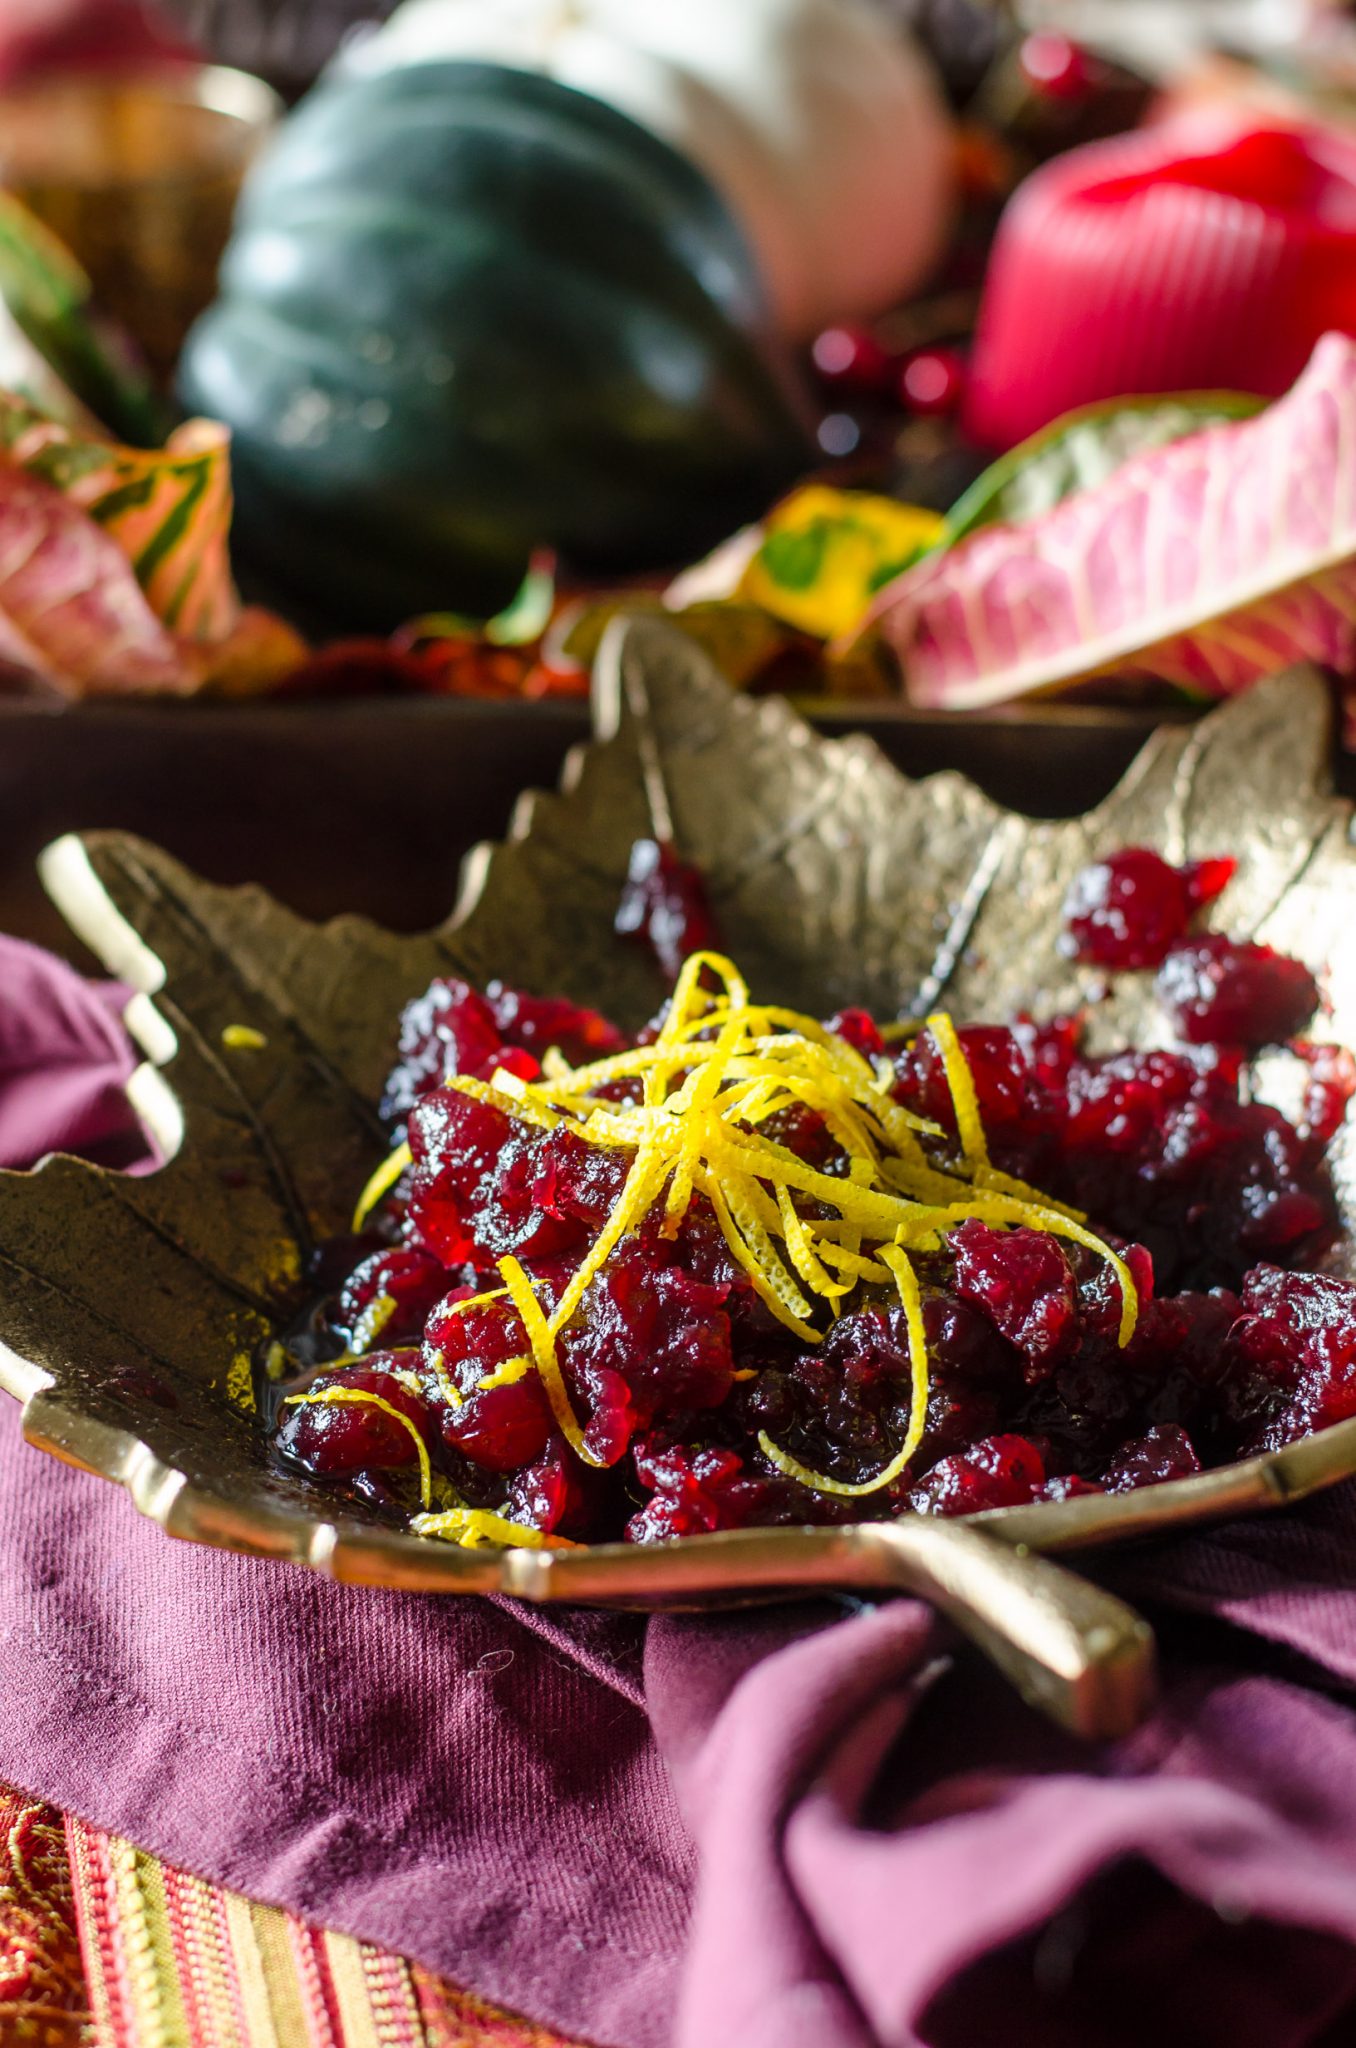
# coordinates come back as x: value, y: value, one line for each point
x: 1208, y: 563
x: 72, y: 614
x: 114, y: 570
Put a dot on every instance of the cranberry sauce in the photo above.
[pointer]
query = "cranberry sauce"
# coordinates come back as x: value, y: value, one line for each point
x: 677, y: 1396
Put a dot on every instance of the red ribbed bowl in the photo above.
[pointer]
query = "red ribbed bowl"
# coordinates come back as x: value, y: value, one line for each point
x: 1194, y: 256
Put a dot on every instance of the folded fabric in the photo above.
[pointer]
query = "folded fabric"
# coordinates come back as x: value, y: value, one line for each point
x: 800, y: 1826
x: 64, y: 1063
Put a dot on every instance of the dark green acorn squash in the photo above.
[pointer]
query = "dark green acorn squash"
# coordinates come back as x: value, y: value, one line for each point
x: 467, y: 311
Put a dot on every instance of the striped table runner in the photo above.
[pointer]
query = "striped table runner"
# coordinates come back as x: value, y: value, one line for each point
x: 104, y: 1946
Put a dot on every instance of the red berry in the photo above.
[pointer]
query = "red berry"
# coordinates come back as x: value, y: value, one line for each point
x: 1224, y: 991
x: 453, y: 1029
x: 1025, y: 1286
x: 336, y: 1439
x: 852, y: 359
x: 1128, y: 910
x: 932, y: 382
x: 1207, y: 879
x: 664, y: 904
x: 1166, y: 1452
x: 1054, y: 66
x: 1001, y: 1472
x: 501, y: 1428
x: 998, y: 1068
x: 1331, y: 1085
x: 860, y: 1030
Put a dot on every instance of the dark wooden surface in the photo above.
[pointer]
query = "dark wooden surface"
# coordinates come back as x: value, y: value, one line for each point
x: 370, y: 805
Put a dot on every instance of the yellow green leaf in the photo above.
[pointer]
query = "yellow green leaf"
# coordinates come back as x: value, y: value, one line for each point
x: 825, y: 553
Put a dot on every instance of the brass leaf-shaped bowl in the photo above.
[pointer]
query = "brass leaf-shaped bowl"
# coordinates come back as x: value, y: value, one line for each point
x: 127, y: 1305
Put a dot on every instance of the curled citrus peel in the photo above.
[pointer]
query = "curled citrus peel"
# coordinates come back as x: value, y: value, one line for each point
x: 335, y: 1397
x: 481, y: 1528
x: 380, y: 1185
x: 717, y: 1071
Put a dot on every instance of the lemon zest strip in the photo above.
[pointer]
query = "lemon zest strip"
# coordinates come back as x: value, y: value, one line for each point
x: 506, y: 1375
x: 371, y: 1323
x: 745, y: 1257
x: 542, y: 1339
x: 523, y: 1105
x: 481, y: 1528
x: 444, y: 1378
x: 961, y: 1082
x: 381, y: 1183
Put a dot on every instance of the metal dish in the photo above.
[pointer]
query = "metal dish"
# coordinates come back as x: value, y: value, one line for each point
x: 128, y: 1305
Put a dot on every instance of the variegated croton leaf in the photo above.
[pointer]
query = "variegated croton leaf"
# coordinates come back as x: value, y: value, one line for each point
x: 115, y: 574
x: 1208, y: 563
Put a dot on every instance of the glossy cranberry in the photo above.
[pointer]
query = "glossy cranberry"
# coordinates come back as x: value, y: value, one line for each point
x: 998, y: 1068
x: 477, y: 1184
x: 1099, y: 1289
x: 932, y: 382
x: 1023, y: 1282
x: 860, y: 1030
x: 468, y: 1338
x: 573, y: 1180
x: 664, y: 904
x: 1293, y: 1354
x: 390, y: 1295
x: 1001, y: 1472
x: 333, y: 1440
x: 849, y: 1400
x: 696, y: 1490
x: 1223, y: 991
x: 536, y: 1023
x: 852, y: 360
x: 454, y: 1029
x: 1118, y: 1104
x: 500, y: 1428
x: 1128, y: 910
x: 965, y: 1347
x: 450, y: 1029
x: 1049, y: 1051
x: 1068, y: 1486
x: 653, y: 1340
x: 1165, y: 1452
x: 456, y: 1145
x: 1327, y: 1094
x: 551, y: 1494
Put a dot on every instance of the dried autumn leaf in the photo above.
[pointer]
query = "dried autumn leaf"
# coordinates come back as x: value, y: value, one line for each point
x: 1222, y: 558
x: 127, y: 1305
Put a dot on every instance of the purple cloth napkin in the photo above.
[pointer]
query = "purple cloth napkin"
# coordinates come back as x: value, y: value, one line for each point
x: 786, y: 1829
x: 64, y: 1063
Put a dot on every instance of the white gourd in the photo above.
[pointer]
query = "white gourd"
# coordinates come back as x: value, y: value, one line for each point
x: 818, y: 120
